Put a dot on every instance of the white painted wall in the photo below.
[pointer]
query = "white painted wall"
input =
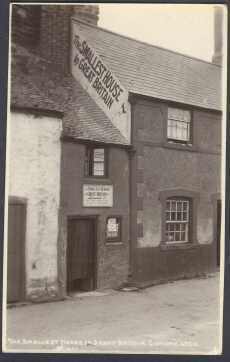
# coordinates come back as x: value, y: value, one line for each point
x: 34, y: 174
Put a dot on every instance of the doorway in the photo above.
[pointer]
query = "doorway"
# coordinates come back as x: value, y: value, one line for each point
x: 218, y: 232
x: 81, y: 254
x: 16, y: 251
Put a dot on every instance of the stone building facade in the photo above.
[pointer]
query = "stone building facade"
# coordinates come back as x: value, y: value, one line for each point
x: 166, y: 170
x: 138, y: 197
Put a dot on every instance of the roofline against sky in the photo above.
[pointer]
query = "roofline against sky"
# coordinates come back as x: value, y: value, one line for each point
x: 143, y: 42
x: 133, y: 95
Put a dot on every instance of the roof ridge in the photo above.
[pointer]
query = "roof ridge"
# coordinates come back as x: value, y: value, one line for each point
x: 146, y: 43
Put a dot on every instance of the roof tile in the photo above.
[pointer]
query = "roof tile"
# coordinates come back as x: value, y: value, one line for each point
x: 156, y: 72
x: 35, y: 84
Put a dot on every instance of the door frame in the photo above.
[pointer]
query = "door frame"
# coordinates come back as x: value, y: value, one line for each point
x: 14, y: 200
x: 93, y: 218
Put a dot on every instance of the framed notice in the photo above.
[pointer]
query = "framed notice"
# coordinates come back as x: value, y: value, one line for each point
x: 97, y: 195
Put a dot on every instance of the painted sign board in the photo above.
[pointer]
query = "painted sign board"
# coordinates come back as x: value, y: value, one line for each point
x: 97, y: 195
x: 90, y: 70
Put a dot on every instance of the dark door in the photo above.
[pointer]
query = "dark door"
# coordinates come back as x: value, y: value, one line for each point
x: 218, y: 230
x: 16, y: 252
x: 81, y: 255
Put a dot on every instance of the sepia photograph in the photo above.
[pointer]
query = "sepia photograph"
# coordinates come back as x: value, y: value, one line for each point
x: 114, y: 233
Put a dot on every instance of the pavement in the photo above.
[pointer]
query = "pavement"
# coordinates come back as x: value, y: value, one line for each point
x: 181, y: 318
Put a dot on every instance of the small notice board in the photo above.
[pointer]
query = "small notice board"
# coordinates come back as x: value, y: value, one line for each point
x: 97, y: 195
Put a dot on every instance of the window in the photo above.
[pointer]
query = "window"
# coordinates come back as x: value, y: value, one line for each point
x: 179, y: 125
x: 95, y: 162
x: 177, y: 220
x: 113, y: 229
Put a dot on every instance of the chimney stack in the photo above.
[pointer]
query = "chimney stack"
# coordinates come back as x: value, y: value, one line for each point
x: 87, y: 13
x: 55, y: 30
x: 218, y: 36
x: 45, y: 29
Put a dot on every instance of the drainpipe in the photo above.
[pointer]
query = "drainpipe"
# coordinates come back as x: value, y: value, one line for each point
x: 132, y: 194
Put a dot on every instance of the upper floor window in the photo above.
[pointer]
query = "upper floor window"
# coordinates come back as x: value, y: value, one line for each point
x: 95, y: 163
x: 179, y: 125
x: 177, y: 220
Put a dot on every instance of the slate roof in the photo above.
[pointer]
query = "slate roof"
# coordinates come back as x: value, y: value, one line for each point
x: 35, y: 84
x: 157, y: 72
x: 142, y: 68
x: 86, y: 121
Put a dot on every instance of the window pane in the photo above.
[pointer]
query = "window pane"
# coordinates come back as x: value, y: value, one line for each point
x: 167, y: 216
x: 112, y: 228
x: 173, y: 205
x: 187, y: 116
x: 170, y: 236
x: 178, y: 124
x: 184, y: 135
x: 177, y: 236
x: 183, y: 226
x: 95, y: 161
x: 177, y: 220
x: 173, y: 216
x: 171, y: 226
x: 179, y: 132
x: 185, y: 205
x: 98, y: 155
x: 98, y: 169
x: 184, y: 216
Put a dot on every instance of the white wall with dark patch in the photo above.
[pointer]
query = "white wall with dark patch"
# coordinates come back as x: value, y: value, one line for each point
x: 34, y: 174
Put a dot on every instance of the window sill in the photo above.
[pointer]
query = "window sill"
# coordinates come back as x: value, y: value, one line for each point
x: 102, y: 179
x: 178, y: 246
x: 108, y: 243
x: 180, y: 146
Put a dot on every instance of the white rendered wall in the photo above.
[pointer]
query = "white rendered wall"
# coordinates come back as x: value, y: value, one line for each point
x: 34, y: 174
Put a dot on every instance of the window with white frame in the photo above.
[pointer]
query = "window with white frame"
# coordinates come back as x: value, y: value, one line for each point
x: 113, y: 229
x: 95, y: 162
x: 179, y: 125
x: 177, y: 220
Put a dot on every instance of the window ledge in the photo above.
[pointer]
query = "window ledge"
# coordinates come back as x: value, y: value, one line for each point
x: 181, y: 246
x: 180, y: 146
x: 108, y: 243
x: 92, y: 179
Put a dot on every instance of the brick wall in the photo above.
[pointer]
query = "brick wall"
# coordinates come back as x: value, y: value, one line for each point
x: 55, y: 35
x: 46, y: 29
x: 55, y: 31
x: 25, y: 24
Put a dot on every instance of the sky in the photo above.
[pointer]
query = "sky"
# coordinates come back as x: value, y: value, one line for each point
x: 188, y: 29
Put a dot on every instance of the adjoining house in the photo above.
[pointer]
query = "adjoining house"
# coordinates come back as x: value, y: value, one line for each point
x: 114, y: 158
